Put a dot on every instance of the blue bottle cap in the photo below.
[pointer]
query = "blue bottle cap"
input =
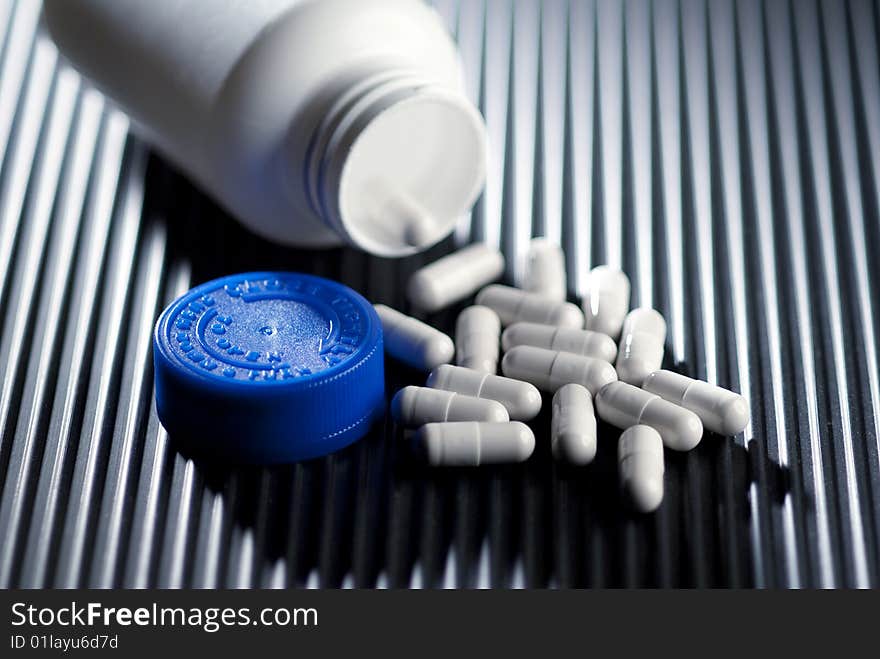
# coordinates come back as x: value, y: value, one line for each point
x: 269, y: 367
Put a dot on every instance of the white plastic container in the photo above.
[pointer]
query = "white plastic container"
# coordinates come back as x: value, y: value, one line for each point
x: 316, y: 122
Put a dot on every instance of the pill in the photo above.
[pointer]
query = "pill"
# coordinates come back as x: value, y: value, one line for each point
x: 720, y: 410
x: 550, y: 369
x: 565, y: 339
x: 573, y: 425
x: 606, y: 300
x: 641, y: 467
x: 477, y: 331
x: 415, y: 406
x: 522, y: 400
x: 641, y: 345
x: 454, y: 277
x: 471, y: 443
x: 398, y: 207
x: 412, y: 341
x: 514, y: 305
x: 623, y: 405
x: 545, y: 269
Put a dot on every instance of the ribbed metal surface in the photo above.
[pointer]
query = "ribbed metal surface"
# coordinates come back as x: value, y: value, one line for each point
x: 727, y: 156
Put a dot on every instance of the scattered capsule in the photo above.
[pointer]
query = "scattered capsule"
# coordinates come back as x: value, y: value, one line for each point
x: 550, y: 369
x: 454, y: 277
x: 606, y: 300
x: 641, y: 345
x: 545, y: 269
x: 564, y: 339
x: 416, y: 406
x: 522, y: 400
x: 476, y: 339
x: 720, y: 410
x: 513, y: 305
x: 641, y: 467
x: 623, y: 405
x: 573, y: 425
x: 412, y: 341
x: 471, y: 443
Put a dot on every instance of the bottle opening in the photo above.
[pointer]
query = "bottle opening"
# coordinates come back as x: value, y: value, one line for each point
x: 403, y: 165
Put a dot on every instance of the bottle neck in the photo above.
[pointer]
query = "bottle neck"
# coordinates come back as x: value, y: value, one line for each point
x: 374, y: 169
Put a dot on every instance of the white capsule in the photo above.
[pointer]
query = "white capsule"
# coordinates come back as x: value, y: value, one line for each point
x: 403, y: 209
x: 641, y: 467
x: 573, y: 425
x: 623, y: 405
x: 412, y: 341
x: 550, y: 369
x: 454, y: 277
x: 641, y: 345
x: 476, y: 339
x: 471, y: 443
x: 564, y: 339
x: 514, y: 305
x: 545, y: 269
x: 720, y: 410
x: 522, y: 400
x: 606, y: 300
x: 416, y: 406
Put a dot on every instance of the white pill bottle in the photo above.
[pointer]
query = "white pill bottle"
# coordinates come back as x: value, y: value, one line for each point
x: 315, y: 122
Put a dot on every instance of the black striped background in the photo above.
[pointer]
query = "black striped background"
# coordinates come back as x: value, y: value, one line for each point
x: 726, y: 155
